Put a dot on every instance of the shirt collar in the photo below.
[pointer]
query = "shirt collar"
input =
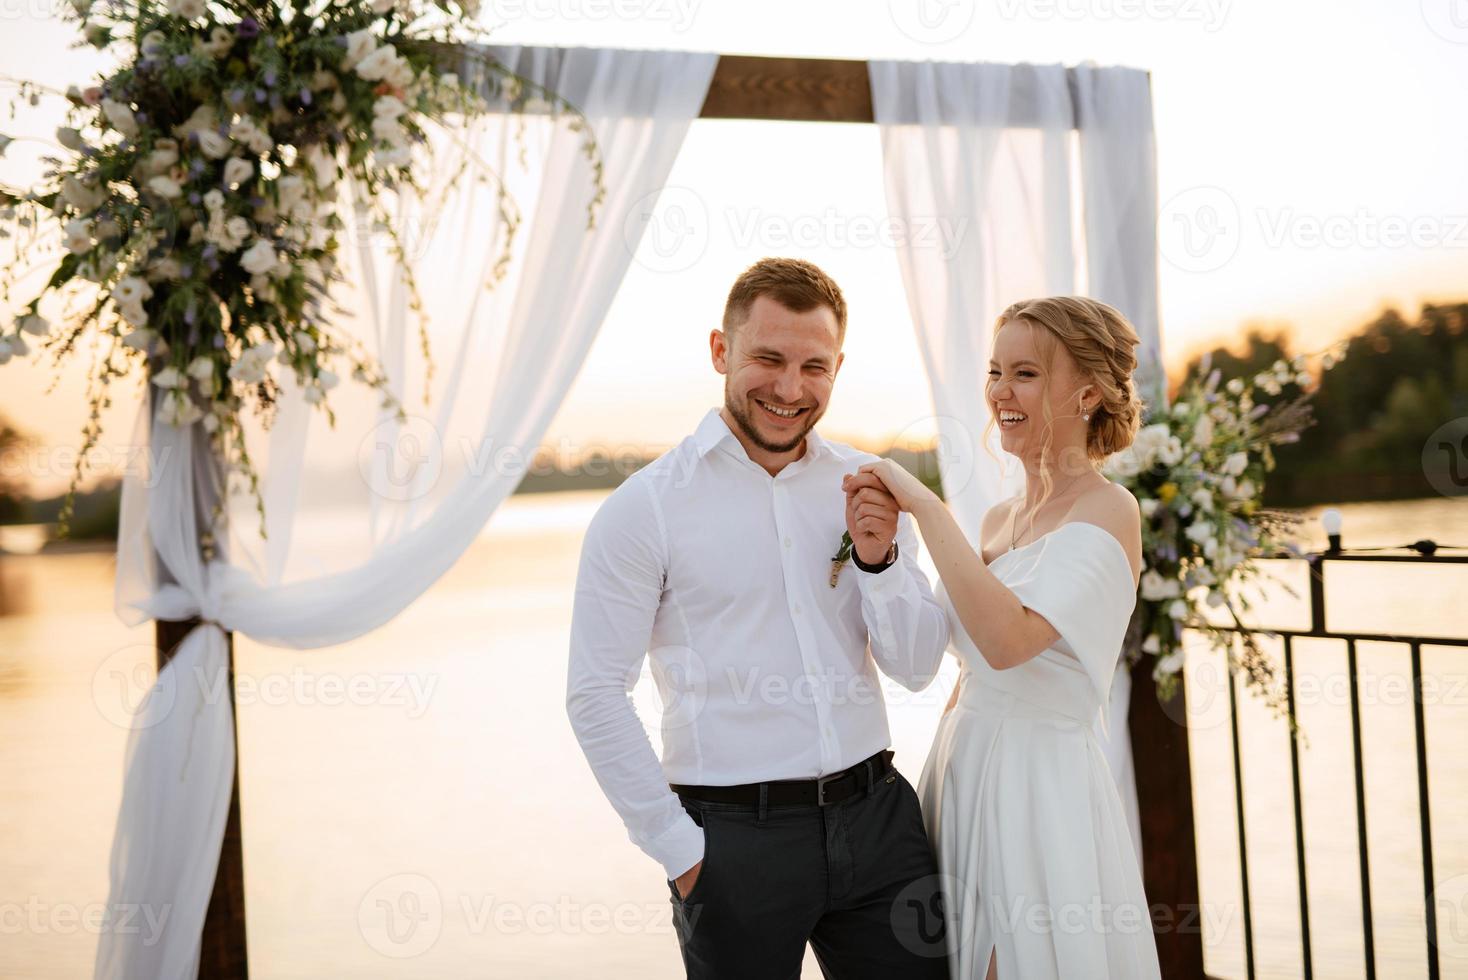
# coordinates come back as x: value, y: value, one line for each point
x: 713, y: 430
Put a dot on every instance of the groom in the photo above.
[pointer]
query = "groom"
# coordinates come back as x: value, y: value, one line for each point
x: 775, y: 812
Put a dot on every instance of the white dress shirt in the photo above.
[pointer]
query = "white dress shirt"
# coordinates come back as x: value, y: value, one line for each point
x: 720, y: 574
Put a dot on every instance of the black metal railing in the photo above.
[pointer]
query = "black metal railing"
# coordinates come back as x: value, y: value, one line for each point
x: 1318, y: 562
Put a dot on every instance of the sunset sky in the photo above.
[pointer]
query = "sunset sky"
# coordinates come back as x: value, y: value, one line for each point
x: 1296, y: 142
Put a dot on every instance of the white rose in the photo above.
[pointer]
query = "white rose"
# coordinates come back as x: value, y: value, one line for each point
x: 187, y: 9
x: 1168, y: 665
x: 121, y: 117
x: 79, y: 236
x: 165, y: 187
x: 153, y: 42
x: 214, y: 200
x: 169, y: 377
x: 133, y: 313
x: 35, y: 325
x: 388, y: 105
x: 221, y: 39
x: 359, y: 45
x: 1177, y: 609
x: 71, y: 139
x: 1154, y: 586
x: 132, y: 290
x: 1149, y: 506
x: 1151, y: 644
x: 201, y: 368
x: 179, y: 410
x: 162, y: 158
x: 1236, y: 464
x: 214, y: 146
x: 236, y: 170
x: 81, y: 196
x: 313, y: 394
x: 381, y: 6
x: 259, y: 258
x: 291, y: 190
x: 377, y: 64
x: 328, y: 379
x: 238, y: 228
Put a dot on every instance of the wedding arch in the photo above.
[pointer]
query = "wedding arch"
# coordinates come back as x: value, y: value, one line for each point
x: 1052, y: 167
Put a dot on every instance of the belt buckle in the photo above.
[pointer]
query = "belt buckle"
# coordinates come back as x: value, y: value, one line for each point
x: 821, y: 782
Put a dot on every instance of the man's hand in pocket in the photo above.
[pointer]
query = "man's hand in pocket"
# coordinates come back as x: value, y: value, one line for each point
x: 685, y: 881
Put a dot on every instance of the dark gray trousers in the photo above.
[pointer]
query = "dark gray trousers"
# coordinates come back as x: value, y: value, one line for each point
x: 857, y: 880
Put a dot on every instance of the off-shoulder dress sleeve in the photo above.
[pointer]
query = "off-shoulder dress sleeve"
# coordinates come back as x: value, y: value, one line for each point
x: 1078, y: 578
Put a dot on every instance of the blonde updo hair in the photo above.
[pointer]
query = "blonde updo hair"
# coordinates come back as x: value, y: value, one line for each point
x: 1103, y: 345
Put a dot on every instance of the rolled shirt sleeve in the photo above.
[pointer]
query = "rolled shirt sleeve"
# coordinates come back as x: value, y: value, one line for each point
x: 906, y: 626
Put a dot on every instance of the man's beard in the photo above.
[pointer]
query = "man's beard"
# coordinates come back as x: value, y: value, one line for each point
x: 748, y: 426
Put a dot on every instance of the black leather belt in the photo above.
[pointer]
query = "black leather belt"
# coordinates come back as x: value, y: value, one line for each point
x: 823, y: 791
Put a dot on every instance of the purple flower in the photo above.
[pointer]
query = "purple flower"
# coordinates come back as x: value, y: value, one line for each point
x: 236, y: 95
x: 186, y: 270
x: 260, y: 95
x: 196, y: 166
x: 248, y: 28
x: 209, y: 252
x: 219, y: 340
x: 194, y: 198
x: 181, y: 59
x: 305, y: 96
x: 141, y: 116
x: 270, y: 78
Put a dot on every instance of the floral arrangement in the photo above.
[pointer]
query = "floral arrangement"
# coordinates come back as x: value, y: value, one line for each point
x: 1198, y: 472
x: 198, y: 197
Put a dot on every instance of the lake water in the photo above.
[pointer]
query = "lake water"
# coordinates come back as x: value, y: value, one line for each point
x: 415, y: 804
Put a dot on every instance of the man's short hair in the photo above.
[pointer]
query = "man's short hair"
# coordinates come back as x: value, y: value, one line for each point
x: 793, y: 283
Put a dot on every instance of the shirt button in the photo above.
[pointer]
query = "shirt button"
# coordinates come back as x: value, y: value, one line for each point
x: 787, y: 541
x: 797, y: 609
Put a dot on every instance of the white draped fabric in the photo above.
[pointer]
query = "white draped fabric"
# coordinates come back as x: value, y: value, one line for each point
x: 1000, y: 151
x: 353, y: 541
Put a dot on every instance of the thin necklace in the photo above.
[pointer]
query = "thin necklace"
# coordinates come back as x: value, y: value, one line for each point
x: 1014, y: 521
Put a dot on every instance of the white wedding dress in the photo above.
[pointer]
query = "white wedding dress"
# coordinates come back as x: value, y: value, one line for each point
x: 1021, y: 808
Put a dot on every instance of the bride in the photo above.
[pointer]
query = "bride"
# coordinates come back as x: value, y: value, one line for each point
x: 1040, y: 876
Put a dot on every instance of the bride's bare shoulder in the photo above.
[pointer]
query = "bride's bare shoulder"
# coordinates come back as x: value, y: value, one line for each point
x: 1114, y: 509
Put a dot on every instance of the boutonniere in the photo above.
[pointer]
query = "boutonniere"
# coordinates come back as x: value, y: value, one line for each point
x: 842, y: 554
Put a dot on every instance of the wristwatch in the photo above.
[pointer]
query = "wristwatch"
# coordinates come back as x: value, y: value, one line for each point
x: 888, y: 563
